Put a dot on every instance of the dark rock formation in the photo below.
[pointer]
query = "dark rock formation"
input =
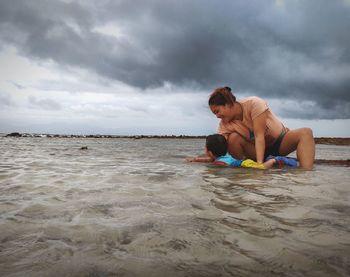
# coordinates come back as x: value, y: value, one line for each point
x: 15, y: 134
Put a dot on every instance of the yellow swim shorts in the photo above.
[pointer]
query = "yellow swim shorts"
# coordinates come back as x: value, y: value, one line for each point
x: 252, y: 164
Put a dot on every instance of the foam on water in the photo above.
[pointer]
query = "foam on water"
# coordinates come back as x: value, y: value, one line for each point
x: 128, y: 207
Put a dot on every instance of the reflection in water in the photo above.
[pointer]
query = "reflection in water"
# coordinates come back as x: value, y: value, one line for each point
x: 106, y: 211
x: 284, y: 213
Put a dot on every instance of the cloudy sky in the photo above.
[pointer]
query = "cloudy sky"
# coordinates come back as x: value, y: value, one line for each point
x: 148, y: 66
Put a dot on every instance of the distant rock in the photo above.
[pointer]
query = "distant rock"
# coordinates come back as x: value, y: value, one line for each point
x: 334, y: 141
x: 319, y: 140
x: 333, y: 162
x: 84, y: 148
x: 15, y: 134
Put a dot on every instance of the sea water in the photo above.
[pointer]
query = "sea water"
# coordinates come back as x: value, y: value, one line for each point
x: 125, y: 207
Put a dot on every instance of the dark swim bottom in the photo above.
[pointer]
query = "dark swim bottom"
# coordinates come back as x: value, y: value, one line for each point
x: 273, y: 150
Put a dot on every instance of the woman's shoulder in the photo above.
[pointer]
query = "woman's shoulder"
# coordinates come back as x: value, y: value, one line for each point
x: 254, y: 106
x: 251, y: 99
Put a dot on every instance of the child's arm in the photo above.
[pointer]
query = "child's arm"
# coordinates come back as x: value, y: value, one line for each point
x: 200, y: 159
x: 281, y: 161
x: 269, y: 163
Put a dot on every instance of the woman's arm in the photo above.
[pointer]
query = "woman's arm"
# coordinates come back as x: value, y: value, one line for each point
x: 259, y: 126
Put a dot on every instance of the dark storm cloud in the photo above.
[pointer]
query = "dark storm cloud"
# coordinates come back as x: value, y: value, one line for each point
x: 298, y: 50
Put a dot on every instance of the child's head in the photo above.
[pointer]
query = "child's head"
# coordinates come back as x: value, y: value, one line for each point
x: 216, y: 145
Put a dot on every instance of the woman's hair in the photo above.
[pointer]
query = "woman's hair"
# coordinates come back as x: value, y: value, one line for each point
x: 221, y: 97
x: 216, y: 144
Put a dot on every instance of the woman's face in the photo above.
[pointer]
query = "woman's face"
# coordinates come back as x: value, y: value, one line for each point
x: 225, y: 113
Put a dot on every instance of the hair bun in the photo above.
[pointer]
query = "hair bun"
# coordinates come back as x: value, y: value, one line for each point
x: 228, y: 88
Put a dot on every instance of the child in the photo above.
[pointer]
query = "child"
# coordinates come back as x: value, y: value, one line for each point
x: 216, y: 149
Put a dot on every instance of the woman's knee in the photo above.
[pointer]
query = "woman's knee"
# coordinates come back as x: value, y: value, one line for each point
x: 234, y: 143
x: 302, y: 133
x: 307, y: 132
x: 234, y: 139
x: 295, y: 137
x: 306, y: 135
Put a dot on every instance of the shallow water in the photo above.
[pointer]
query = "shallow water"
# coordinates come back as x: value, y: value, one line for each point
x: 134, y: 208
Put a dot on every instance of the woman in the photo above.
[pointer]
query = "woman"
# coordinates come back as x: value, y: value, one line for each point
x: 253, y: 131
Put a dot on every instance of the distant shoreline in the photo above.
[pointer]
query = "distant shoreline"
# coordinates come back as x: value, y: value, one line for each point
x: 334, y: 141
x: 318, y: 140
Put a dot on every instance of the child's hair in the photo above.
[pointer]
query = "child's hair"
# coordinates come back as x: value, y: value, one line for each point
x: 216, y: 144
x: 221, y: 97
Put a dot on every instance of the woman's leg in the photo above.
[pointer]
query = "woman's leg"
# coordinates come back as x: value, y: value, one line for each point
x: 240, y: 148
x: 303, y: 141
